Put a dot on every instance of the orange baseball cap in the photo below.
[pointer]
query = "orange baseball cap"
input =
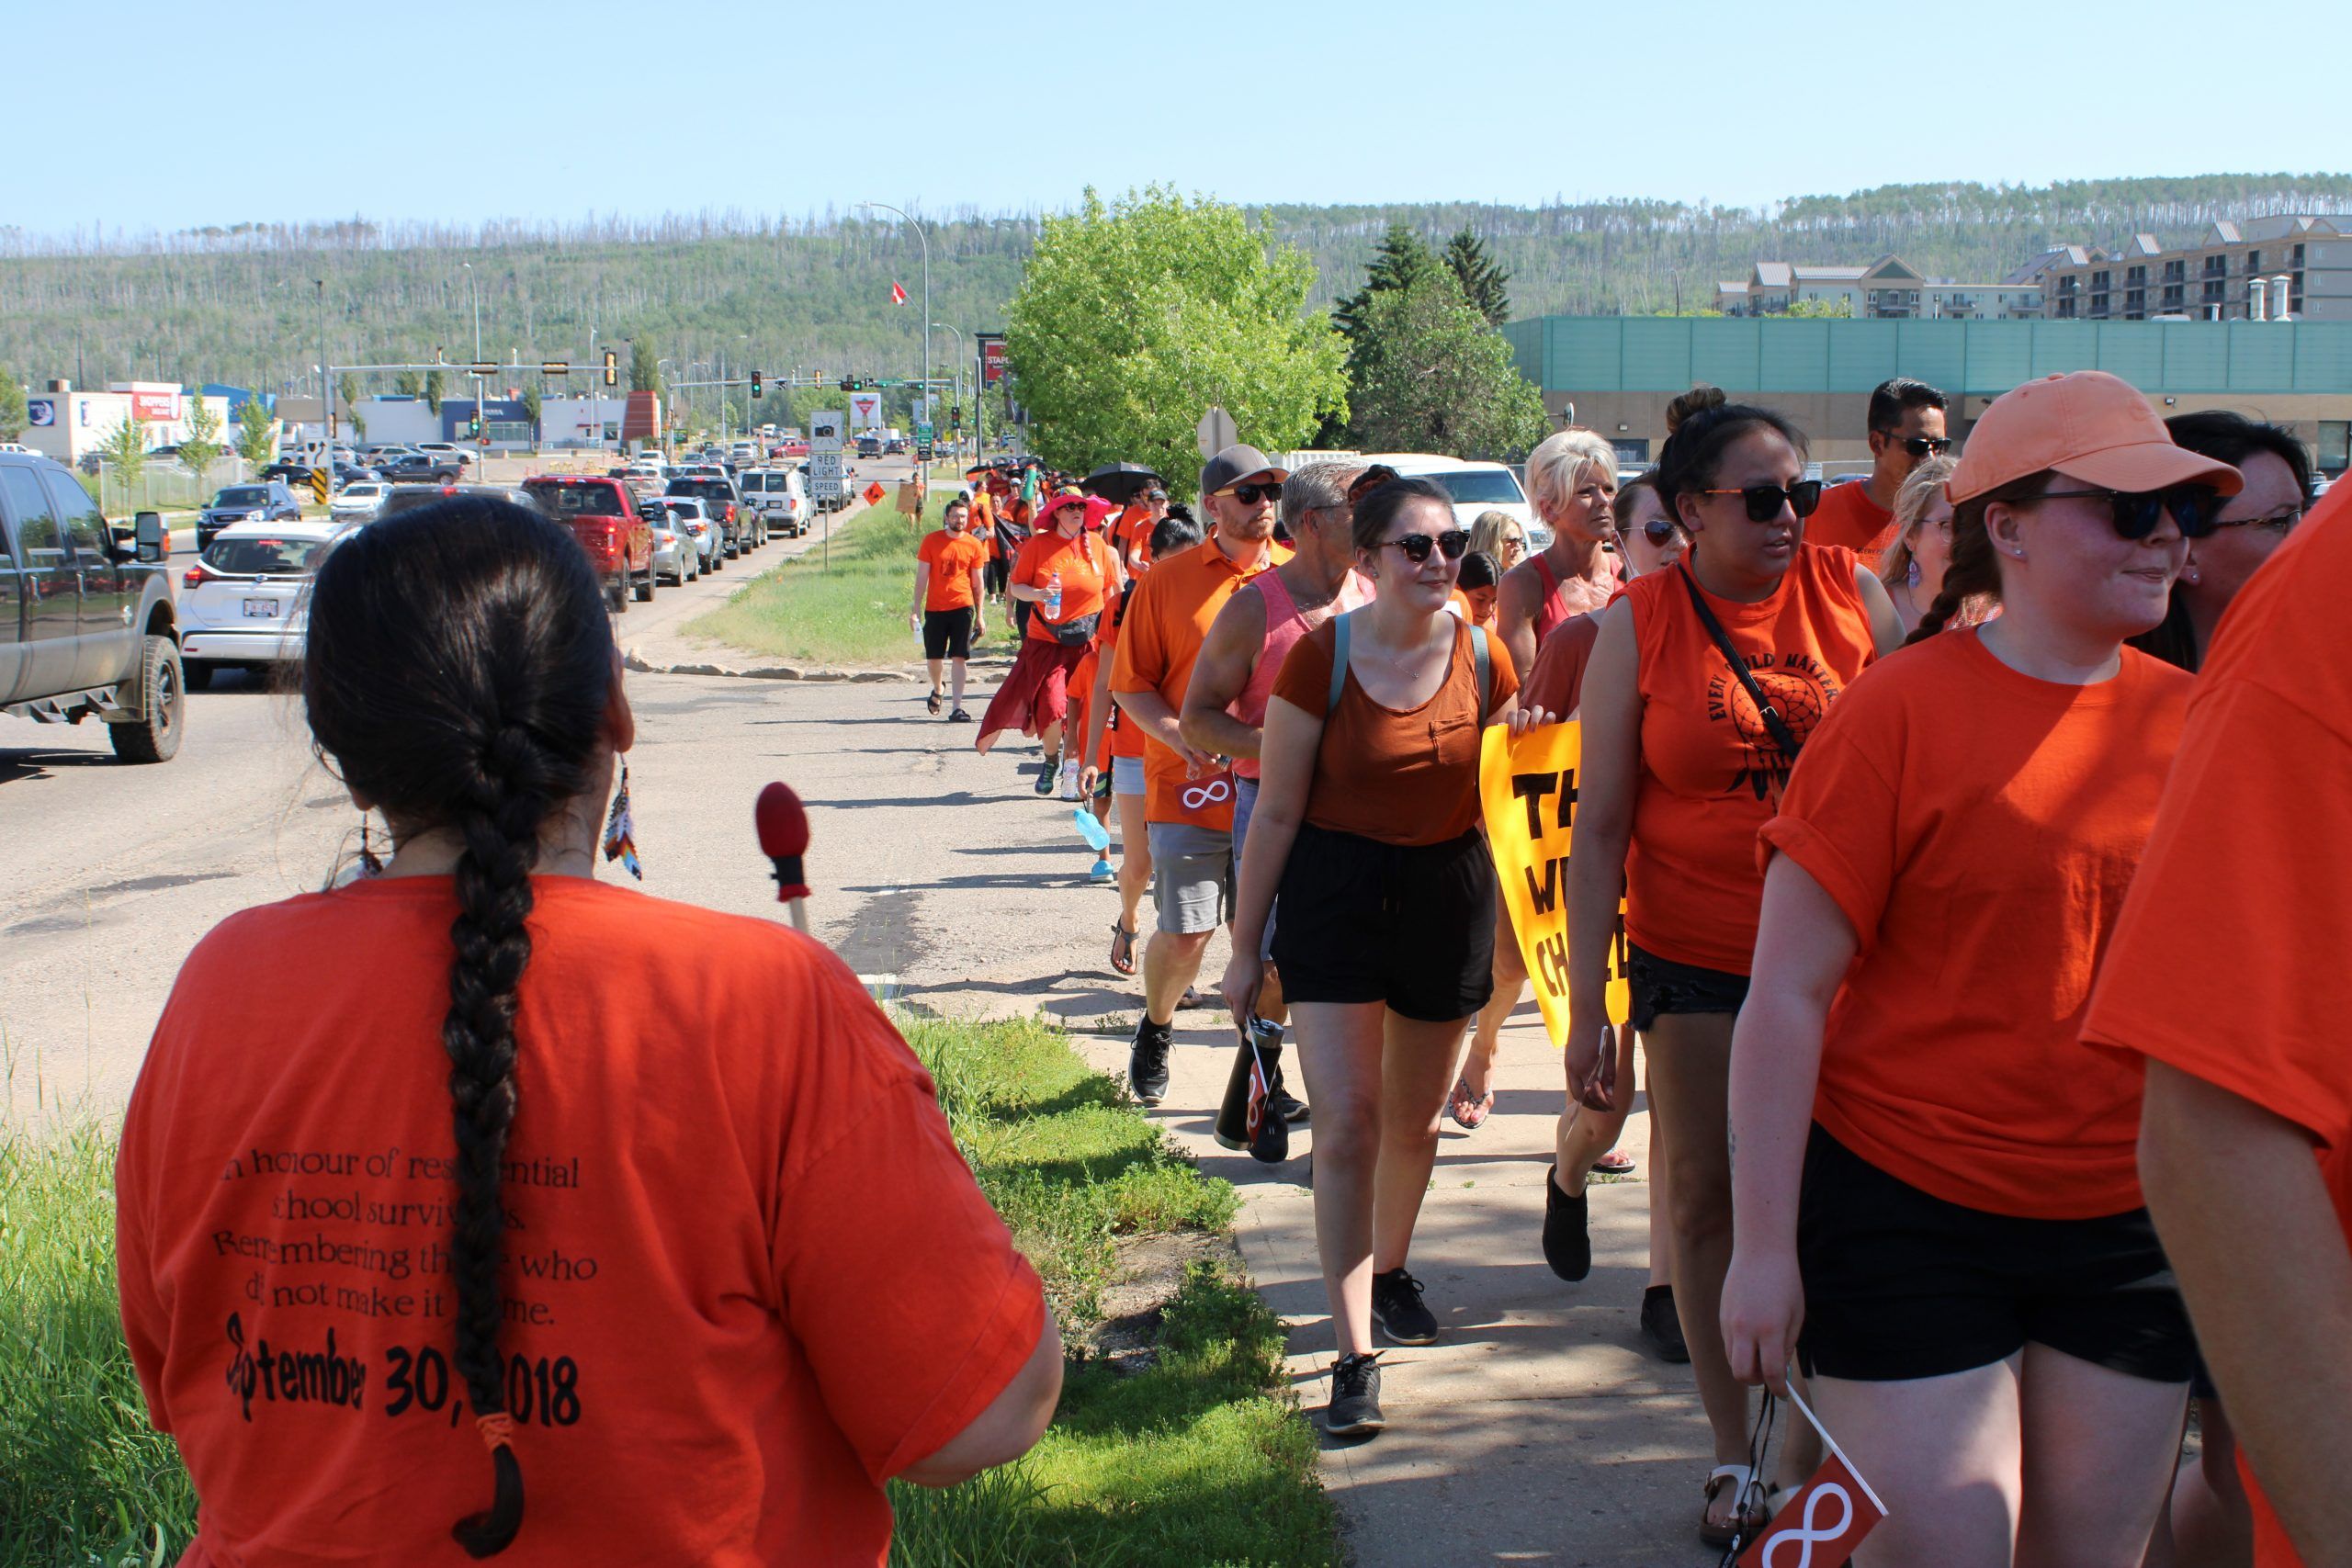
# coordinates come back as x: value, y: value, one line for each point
x: 2088, y: 425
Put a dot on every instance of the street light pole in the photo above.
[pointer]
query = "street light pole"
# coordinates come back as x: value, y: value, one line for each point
x: 929, y: 326
x: 481, y: 414
x: 926, y: 294
x: 326, y: 393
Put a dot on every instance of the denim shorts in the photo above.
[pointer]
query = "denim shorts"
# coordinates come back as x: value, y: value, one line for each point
x: 1660, y: 985
x: 1126, y: 775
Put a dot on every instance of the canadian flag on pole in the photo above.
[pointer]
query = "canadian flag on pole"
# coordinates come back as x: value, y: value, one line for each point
x: 1832, y: 1511
x: 897, y: 295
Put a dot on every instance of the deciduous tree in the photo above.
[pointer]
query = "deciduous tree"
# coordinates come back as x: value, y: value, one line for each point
x: 1135, y: 318
x: 200, y: 448
x: 257, y: 433
x: 12, y: 405
x: 1431, y: 374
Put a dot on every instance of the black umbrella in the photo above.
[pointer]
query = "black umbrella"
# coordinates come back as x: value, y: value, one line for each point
x: 1121, y: 482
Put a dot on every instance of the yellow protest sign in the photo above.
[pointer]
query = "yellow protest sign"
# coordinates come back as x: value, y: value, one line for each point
x: 1527, y: 789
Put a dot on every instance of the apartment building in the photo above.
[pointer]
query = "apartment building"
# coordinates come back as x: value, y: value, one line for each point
x: 2253, y: 269
x: 1887, y: 289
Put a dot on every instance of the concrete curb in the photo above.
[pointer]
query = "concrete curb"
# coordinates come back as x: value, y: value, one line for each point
x: 635, y: 659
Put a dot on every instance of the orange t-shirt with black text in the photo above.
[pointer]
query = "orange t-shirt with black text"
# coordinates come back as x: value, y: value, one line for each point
x: 1167, y: 621
x: 1979, y: 828
x: 748, y: 1276
x: 1848, y: 516
x: 2229, y: 960
x: 953, y: 558
x: 1400, y: 776
x: 1710, y: 767
x: 1083, y: 564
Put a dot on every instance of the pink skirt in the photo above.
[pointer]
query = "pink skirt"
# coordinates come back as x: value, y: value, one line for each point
x: 1035, y: 692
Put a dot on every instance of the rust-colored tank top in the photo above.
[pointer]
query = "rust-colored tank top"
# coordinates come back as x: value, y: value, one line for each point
x: 1710, y: 772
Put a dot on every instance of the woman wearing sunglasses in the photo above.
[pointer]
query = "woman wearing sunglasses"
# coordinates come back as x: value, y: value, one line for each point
x: 1648, y: 537
x: 2277, y: 473
x: 1681, y: 764
x: 1499, y: 534
x: 1912, y: 567
x: 1938, y: 1210
x: 1367, y: 823
x: 1572, y: 483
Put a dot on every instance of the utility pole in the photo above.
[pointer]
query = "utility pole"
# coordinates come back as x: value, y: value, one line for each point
x: 481, y: 414
x: 326, y: 392
x: 926, y: 292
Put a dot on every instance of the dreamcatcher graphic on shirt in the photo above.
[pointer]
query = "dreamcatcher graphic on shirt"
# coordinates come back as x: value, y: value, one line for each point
x: 1799, y: 686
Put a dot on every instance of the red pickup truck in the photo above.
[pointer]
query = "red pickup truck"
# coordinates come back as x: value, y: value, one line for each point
x: 602, y: 516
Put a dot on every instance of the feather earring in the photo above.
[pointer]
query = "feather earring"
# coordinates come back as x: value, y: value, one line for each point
x: 621, y: 830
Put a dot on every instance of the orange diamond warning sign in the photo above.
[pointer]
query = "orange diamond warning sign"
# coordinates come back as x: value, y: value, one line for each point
x: 874, y: 493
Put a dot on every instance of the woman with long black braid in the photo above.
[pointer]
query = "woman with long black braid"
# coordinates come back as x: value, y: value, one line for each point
x: 693, y: 1250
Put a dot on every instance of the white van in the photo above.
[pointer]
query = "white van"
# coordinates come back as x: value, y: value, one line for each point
x: 1476, y: 487
x: 779, y: 495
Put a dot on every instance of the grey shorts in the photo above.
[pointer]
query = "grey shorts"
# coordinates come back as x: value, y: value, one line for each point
x: 1245, y: 807
x: 1192, y: 877
x: 1126, y: 775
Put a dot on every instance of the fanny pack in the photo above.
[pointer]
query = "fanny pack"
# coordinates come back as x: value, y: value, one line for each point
x: 1782, y: 736
x: 1075, y: 632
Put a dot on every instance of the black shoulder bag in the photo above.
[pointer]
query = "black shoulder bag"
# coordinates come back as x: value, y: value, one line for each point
x: 1782, y: 736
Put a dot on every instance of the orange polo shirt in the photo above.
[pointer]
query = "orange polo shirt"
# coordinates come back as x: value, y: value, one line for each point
x: 1159, y: 641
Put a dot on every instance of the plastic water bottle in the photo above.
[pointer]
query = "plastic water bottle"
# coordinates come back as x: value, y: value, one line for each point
x: 1052, y: 600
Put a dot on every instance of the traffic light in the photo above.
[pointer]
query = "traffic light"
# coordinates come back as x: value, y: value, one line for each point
x: 473, y: 425
x: 612, y: 368
x: 755, y: 383
x: 849, y: 383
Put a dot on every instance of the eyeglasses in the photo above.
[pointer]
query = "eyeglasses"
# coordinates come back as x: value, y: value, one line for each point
x: 1660, y: 532
x: 1452, y: 543
x: 2196, y: 508
x: 1764, y: 502
x: 2282, y: 521
x: 1921, y: 445
x: 1251, y: 495
x: 1370, y: 480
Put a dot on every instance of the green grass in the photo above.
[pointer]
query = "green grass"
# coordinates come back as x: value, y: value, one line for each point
x: 846, y: 604
x: 1197, y: 1459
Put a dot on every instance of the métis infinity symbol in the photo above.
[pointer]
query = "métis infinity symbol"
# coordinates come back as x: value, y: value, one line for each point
x: 1805, y: 1535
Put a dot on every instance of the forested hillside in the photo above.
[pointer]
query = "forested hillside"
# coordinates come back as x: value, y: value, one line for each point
x: 241, y: 304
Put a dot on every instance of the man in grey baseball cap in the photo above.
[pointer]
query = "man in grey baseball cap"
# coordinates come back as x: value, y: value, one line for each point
x: 1189, y: 792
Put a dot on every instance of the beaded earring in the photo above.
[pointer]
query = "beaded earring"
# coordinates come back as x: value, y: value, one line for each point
x: 621, y: 830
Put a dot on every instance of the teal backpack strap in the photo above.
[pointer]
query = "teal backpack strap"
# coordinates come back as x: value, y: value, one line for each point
x: 1339, y: 663
x: 1485, y: 672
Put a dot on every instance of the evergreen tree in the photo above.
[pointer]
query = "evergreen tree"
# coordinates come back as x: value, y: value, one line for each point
x: 644, y: 367
x: 1432, y: 374
x: 1402, y: 258
x: 1486, y: 285
x: 433, y: 390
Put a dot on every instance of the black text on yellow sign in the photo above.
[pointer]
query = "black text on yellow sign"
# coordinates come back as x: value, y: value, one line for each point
x: 1528, y: 792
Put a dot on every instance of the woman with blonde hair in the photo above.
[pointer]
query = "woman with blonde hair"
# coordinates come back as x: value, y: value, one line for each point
x: 1913, y: 567
x: 1499, y: 534
x: 1572, y: 484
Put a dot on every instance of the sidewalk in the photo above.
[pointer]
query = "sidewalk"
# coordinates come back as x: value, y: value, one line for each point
x: 1536, y: 1430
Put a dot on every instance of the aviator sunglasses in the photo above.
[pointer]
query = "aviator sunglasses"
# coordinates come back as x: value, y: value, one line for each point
x: 1251, y: 494
x: 1452, y: 543
x: 2196, y: 508
x: 1764, y: 502
x: 1921, y: 445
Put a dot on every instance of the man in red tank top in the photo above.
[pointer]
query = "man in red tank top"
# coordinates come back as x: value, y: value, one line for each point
x: 1224, y: 707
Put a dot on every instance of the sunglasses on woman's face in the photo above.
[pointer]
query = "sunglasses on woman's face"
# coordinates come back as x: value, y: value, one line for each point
x: 2196, y: 509
x: 1453, y: 542
x: 1660, y: 532
x: 1764, y: 502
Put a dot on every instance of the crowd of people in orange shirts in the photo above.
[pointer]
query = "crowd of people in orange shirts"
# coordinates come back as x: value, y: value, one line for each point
x: 1914, y: 981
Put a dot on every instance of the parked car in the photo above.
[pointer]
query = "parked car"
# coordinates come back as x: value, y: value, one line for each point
x: 603, y: 514
x: 450, y: 451
x: 688, y: 512
x: 779, y: 496
x: 243, y: 605
x: 408, y: 498
x: 359, y: 500
x: 723, y: 505
x: 422, y: 467
x: 1476, y: 487
x: 86, y: 628
x: 270, y: 501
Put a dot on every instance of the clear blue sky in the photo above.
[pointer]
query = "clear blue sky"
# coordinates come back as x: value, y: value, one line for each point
x: 386, y: 110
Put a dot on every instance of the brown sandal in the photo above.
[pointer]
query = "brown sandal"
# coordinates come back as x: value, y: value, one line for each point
x: 1746, y: 1522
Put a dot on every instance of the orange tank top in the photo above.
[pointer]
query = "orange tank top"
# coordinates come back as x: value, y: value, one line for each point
x: 1711, y: 773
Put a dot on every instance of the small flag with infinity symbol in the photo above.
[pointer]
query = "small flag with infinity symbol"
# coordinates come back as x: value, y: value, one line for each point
x: 1820, y: 1523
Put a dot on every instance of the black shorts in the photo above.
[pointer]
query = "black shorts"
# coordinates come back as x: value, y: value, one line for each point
x: 1410, y: 925
x: 1900, y: 1283
x: 947, y: 634
x: 1660, y: 985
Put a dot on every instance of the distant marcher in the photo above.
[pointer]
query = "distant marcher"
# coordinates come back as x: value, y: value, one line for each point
x: 1065, y: 574
x: 949, y: 564
x: 1680, y: 770
x: 2226, y: 974
x: 1571, y: 485
x: 1919, y: 544
x: 1649, y: 538
x: 2256, y: 523
x: 1906, y: 429
x: 1479, y: 584
x: 1939, y: 1219
x: 554, y: 1168
x: 1499, y: 534
x: 1189, y: 791
x: 1367, y: 826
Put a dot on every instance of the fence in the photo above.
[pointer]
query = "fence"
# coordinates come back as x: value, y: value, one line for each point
x: 161, y: 485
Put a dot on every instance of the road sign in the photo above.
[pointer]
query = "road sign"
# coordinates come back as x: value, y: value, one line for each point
x: 320, y: 483
x: 825, y: 457
x: 874, y: 493
x: 923, y: 432
x: 865, y: 410
x: 1216, y: 432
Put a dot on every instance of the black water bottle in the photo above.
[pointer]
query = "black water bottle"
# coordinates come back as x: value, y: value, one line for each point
x: 1246, y: 1119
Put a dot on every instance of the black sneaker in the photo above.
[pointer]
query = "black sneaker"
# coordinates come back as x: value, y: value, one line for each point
x: 1567, y: 1237
x: 1147, y: 1061
x: 1281, y: 1101
x: 1046, y: 774
x: 1662, y: 1328
x: 1354, y: 1410
x: 1396, y: 1308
